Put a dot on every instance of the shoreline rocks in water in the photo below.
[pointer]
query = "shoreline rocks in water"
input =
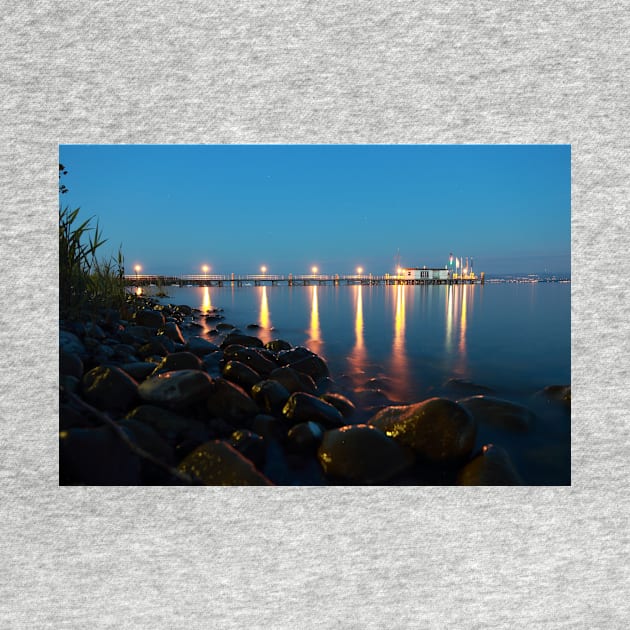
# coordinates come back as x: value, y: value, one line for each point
x: 145, y: 399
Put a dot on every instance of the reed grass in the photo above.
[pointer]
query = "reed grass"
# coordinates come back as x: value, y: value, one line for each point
x: 86, y: 284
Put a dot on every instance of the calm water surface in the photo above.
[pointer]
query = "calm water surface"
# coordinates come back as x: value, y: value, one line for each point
x: 513, y: 338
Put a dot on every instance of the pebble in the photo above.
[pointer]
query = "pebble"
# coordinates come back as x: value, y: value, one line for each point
x: 270, y: 396
x: 242, y: 340
x: 343, y: 404
x: 229, y: 401
x: 302, y: 407
x: 293, y: 381
x: 149, y: 318
x: 498, y: 413
x: 173, y: 332
x: 241, y: 374
x: 201, y: 346
x: 305, y: 437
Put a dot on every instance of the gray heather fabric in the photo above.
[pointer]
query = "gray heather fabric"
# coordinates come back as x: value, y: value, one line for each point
x: 347, y: 72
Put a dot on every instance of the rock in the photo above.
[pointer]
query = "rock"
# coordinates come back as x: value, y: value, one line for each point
x: 94, y: 330
x: 179, y: 361
x: 493, y: 467
x: 268, y: 427
x: 465, y: 387
x: 69, y: 383
x: 201, y: 346
x: 172, y: 331
x: 294, y: 354
x: 250, y: 357
x: 70, y: 363
x: 70, y: 343
x: 497, y: 413
x: 270, y: 396
x: 109, y: 388
x: 293, y: 381
x: 138, y: 370
x: 218, y: 464
x: 438, y: 429
x: 149, y: 318
x: 242, y: 340
x: 136, y: 334
x: 276, y: 345
x: 176, y: 388
x: 314, y: 366
x: 305, y: 437
x: 151, y: 349
x: 362, y: 454
x: 250, y: 445
x: 253, y: 326
x: 212, y: 363
x: 303, y: 407
x: 150, y: 442
x: 555, y: 394
x: 223, y: 325
x: 229, y: 401
x: 96, y: 457
x: 340, y: 402
x: 170, y: 425
x: 239, y: 373
x: 371, y: 398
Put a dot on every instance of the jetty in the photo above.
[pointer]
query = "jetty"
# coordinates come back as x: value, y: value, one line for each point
x: 214, y: 280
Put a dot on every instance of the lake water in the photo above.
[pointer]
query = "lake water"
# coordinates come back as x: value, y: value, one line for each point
x: 513, y: 338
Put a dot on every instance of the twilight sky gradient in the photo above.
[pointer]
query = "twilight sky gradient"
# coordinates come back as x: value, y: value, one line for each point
x: 289, y: 207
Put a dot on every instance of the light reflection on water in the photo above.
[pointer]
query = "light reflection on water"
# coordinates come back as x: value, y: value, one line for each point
x: 418, y: 336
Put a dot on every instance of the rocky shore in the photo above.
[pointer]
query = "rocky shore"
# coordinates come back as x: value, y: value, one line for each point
x: 146, y: 398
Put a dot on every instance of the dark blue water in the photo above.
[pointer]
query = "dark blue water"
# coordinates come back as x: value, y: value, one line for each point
x: 512, y: 338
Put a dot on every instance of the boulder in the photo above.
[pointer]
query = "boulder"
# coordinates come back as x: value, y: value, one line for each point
x: 303, y: 407
x: 439, y: 430
x: 344, y: 405
x: 229, y: 401
x: 362, y: 454
x: 276, y: 345
x: 178, y: 361
x: 242, y: 340
x: 149, y: 318
x: 217, y: 463
x: 293, y: 381
x: 305, y: 437
x: 172, y: 331
x: 170, y: 425
x: 270, y: 396
x: 250, y: 445
x: 109, y: 388
x: 241, y: 374
x: 492, y: 467
x: 250, y: 357
x: 498, y: 413
x: 177, y: 388
x: 201, y: 346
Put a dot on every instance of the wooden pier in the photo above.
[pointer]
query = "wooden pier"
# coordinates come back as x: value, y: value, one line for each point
x: 213, y: 280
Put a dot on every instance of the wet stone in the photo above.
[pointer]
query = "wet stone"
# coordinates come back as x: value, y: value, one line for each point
x: 177, y: 388
x: 305, y: 437
x: 293, y: 381
x: 464, y: 387
x: 201, y: 346
x: 212, y: 363
x: 268, y: 426
x: 172, y: 331
x: 555, y: 394
x: 314, y: 366
x: 170, y: 425
x: 139, y: 370
x: 70, y: 343
x: 294, y: 354
x: 69, y: 383
x: 276, y: 345
x: 340, y: 402
x: 498, y: 413
x: 270, y: 396
x: 362, y: 454
x: 219, y: 464
x: 152, y: 348
x: 109, y: 388
x: 70, y: 364
x: 250, y: 445
x: 228, y: 400
x: 178, y: 361
x: 224, y: 326
x: 303, y: 407
x: 243, y: 340
x: 149, y: 318
x: 439, y: 430
x: 251, y: 357
x: 492, y: 467
x: 241, y: 374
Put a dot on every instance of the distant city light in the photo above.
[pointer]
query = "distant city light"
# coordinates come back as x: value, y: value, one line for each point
x: 399, y: 270
x: 205, y: 268
x: 359, y: 270
x: 314, y: 269
x: 263, y: 269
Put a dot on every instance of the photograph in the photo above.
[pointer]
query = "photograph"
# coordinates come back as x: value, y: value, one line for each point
x: 315, y: 315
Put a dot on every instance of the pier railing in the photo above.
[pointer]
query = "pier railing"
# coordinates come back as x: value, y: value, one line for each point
x: 289, y: 280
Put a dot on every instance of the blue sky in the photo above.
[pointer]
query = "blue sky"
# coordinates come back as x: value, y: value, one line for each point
x: 174, y: 208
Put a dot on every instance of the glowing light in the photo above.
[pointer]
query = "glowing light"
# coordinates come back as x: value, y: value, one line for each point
x: 137, y: 269
x: 139, y: 291
x: 206, y: 304
x: 314, y: 331
x: 264, y: 309
x: 263, y: 269
x: 205, y: 268
x: 359, y: 270
x: 399, y: 270
x: 357, y: 358
x: 358, y: 322
x: 463, y: 324
x: 400, y: 364
x: 314, y: 269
